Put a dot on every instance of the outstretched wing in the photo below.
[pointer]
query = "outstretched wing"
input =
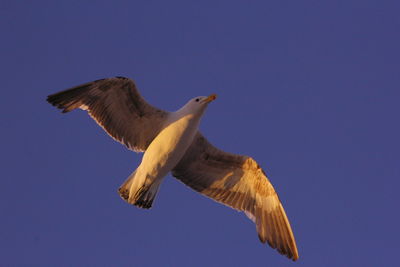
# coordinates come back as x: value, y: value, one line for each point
x: 237, y: 181
x: 116, y: 105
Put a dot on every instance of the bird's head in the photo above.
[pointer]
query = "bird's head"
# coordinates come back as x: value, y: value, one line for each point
x: 199, y: 103
x: 203, y: 100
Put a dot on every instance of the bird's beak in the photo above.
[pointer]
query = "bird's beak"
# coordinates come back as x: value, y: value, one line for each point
x: 210, y: 98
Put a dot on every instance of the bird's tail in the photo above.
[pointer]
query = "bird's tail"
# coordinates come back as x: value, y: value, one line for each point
x: 137, y: 192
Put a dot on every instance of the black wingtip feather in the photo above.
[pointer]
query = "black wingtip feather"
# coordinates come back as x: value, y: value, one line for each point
x: 69, y: 99
x: 121, y: 77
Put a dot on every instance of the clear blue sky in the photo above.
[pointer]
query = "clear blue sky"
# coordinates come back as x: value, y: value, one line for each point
x: 310, y: 89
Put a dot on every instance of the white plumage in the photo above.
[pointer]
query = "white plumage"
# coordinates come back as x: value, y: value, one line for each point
x: 164, y: 152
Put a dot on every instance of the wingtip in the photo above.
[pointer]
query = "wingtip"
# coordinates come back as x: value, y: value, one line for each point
x: 52, y: 100
x: 121, y: 77
x: 288, y: 251
x: 262, y: 239
x: 294, y: 257
x: 49, y: 99
x: 295, y: 254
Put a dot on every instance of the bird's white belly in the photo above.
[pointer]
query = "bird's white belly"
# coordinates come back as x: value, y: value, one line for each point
x: 168, y: 148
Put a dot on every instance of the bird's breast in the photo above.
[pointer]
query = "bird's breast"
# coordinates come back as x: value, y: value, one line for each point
x: 169, y: 146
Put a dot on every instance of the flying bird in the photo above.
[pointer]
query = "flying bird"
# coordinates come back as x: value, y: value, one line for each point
x: 171, y: 142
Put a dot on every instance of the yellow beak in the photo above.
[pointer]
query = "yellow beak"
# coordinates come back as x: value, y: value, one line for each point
x: 210, y: 98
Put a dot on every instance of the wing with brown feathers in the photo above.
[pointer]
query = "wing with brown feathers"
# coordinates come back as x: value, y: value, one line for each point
x: 116, y: 105
x: 238, y: 181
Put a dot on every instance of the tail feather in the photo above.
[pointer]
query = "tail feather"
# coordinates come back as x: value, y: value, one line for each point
x: 136, y: 192
x: 144, y: 197
x: 126, y: 186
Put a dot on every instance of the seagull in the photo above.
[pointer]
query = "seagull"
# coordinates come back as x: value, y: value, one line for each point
x: 172, y: 142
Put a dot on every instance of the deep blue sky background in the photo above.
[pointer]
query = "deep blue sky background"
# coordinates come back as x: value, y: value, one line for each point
x: 310, y: 89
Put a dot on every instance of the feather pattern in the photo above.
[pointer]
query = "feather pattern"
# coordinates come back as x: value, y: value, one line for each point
x: 238, y: 182
x: 116, y: 105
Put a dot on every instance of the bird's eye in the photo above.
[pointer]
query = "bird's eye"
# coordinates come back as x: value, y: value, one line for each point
x: 197, y: 99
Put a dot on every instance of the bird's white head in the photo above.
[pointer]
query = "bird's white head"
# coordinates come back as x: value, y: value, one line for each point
x: 198, y: 104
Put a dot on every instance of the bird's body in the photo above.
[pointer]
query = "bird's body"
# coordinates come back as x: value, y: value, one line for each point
x: 171, y: 142
x: 162, y: 155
